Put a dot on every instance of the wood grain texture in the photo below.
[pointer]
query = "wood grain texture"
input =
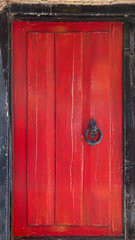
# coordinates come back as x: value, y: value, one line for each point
x: 40, y: 129
x: 69, y: 122
x: 116, y: 130
x: 73, y: 74
x: 97, y: 106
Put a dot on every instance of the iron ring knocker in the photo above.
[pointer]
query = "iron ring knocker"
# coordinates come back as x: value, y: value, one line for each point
x: 92, y: 130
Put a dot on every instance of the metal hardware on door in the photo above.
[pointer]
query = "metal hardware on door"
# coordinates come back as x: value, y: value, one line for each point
x: 51, y: 134
x: 93, y: 131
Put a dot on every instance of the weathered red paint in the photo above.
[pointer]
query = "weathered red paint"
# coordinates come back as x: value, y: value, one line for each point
x: 64, y: 74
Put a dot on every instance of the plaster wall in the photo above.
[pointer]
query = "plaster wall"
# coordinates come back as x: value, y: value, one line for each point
x: 82, y: 2
x: 85, y: 2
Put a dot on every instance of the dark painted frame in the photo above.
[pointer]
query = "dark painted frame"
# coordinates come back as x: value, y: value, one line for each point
x: 124, y: 13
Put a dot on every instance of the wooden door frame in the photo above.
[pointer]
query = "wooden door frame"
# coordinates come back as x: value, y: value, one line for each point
x: 41, y: 12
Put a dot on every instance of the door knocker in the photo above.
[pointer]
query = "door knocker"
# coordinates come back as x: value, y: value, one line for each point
x: 93, y: 132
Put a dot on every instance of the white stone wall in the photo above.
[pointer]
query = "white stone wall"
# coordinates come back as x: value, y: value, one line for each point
x: 4, y: 3
x: 84, y: 2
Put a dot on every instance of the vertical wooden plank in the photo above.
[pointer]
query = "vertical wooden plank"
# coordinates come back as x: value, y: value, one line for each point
x: 116, y: 128
x: 40, y: 128
x: 19, y: 128
x: 96, y: 106
x: 69, y: 121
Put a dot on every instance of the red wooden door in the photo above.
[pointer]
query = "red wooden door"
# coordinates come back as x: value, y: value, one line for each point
x: 65, y: 74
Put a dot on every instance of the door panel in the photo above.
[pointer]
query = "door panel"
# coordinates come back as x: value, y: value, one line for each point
x: 69, y: 122
x: 40, y: 129
x: 65, y: 74
x: 97, y: 105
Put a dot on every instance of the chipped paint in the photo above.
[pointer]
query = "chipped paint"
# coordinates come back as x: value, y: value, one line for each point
x: 129, y: 153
